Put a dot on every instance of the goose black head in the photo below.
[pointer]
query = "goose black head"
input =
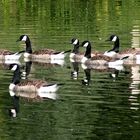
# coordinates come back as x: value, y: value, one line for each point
x: 13, y: 67
x: 23, y: 38
x: 27, y: 41
x: 74, y: 41
x: 113, y: 38
x: 85, y: 44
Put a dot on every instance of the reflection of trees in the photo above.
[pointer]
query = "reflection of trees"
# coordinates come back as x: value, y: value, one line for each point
x: 56, y: 22
x: 87, y: 19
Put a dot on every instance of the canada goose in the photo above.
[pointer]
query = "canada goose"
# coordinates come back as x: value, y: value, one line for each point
x: 75, y: 55
x: 115, y: 50
x: 40, y: 54
x: 99, y: 59
x: 7, y: 56
x: 133, y: 53
x: 30, y: 88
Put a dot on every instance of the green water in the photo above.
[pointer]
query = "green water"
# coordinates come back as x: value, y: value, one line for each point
x: 107, y: 109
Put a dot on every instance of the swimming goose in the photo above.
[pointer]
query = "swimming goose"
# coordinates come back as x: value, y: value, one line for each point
x: 40, y: 54
x: 133, y: 53
x: 99, y: 59
x: 29, y: 88
x: 8, y: 56
x: 75, y: 55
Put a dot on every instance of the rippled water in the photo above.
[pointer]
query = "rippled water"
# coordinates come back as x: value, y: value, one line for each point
x: 106, y: 109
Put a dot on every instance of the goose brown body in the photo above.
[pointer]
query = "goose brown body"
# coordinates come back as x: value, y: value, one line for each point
x: 29, y: 85
x: 40, y: 54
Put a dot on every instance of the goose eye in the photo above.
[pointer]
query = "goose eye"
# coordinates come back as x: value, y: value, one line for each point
x: 24, y: 38
x: 86, y: 44
x: 114, y: 38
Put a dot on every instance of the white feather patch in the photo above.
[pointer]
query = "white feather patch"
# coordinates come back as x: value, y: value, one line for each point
x: 72, y: 55
x: 11, y: 93
x: 24, y: 38
x: 13, y: 111
x: 84, y: 59
x: 14, y: 68
x: 84, y: 66
x: 26, y: 55
x: 110, y: 54
x: 86, y: 44
x: 15, y: 56
x: 75, y: 42
x: 48, y: 89
x: 11, y: 86
x: 114, y: 38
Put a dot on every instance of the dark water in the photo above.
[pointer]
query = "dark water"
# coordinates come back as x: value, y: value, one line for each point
x: 107, y: 109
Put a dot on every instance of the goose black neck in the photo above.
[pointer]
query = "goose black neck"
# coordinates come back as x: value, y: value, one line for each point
x: 28, y: 67
x: 116, y: 46
x: 16, y: 103
x: 28, y: 46
x: 16, y: 77
x: 76, y: 49
x: 88, y: 51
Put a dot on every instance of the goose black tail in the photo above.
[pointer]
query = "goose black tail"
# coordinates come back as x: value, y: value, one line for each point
x: 124, y: 57
x: 20, y: 52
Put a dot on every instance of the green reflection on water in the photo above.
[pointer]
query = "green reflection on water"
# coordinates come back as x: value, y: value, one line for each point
x: 100, y: 111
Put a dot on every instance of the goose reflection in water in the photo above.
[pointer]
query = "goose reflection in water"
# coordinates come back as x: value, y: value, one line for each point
x: 87, y: 78
x: 134, y: 86
x: 113, y: 72
x: 5, y: 64
x: 75, y: 71
x: 14, y: 110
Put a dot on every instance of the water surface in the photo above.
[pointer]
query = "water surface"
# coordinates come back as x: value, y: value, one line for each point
x: 107, y: 108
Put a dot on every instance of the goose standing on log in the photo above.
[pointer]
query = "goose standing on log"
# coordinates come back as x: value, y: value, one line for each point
x: 30, y: 88
x: 42, y: 54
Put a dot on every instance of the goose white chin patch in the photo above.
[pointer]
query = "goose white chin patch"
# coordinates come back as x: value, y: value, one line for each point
x: 13, y: 111
x: 11, y: 86
x: 14, y: 68
x: 114, y: 38
x: 11, y: 93
x: 85, y: 45
x: 75, y: 42
x: 24, y: 38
